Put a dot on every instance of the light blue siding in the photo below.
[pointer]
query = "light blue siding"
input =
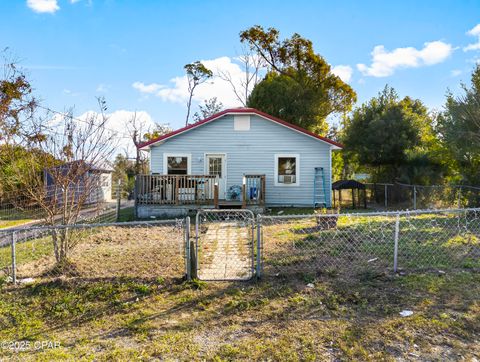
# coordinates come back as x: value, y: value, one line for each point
x: 252, y: 152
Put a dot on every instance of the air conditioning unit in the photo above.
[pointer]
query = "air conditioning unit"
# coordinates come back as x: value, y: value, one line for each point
x: 287, y: 179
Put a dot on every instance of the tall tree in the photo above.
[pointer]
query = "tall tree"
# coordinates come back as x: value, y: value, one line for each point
x: 209, y: 108
x: 197, y: 74
x: 299, y: 86
x: 459, y: 129
x: 391, y: 137
x: 16, y: 100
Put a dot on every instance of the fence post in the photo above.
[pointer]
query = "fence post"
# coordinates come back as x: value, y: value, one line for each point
x: 414, y: 197
x: 459, y: 197
x: 194, y: 249
x: 135, y: 192
x: 188, y: 254
x: 259, y: 246
x: 14, y: 258
x: 117, y: 210
x: 386, y: 196
x: 395, y: 248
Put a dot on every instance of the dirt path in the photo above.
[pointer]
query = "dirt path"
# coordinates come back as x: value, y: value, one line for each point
x: 225, y: 252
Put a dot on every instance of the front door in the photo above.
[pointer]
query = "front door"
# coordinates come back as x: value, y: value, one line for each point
x: 216, y: 166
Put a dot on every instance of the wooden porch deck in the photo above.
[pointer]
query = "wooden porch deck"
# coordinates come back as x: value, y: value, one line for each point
x: 195, y: 191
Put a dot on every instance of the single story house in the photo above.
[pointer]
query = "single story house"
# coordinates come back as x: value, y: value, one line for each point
x: 239, y: 157
x: 86, y: 183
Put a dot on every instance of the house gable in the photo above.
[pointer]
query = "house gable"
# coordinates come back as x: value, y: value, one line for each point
x: 241, y: 113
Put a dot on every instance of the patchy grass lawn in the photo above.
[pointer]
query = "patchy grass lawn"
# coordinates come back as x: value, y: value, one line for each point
x: 274, y: 319
x: 123, y: 297
x: 366, y: 244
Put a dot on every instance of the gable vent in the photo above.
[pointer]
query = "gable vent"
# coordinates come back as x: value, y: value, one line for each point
x: 241, y: 123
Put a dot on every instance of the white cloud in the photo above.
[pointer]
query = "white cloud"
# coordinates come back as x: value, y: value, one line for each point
x: 475, y: 31
x: 384, y: 63
x: 344, y: 72
x: 102, y: 88
x: 43, y: 6
x: 147, y: 88
x: 455, y: 72
x: 118, y: 123
x: 177, y: 90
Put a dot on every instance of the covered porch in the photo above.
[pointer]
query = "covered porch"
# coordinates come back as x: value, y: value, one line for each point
x: 196, y: 191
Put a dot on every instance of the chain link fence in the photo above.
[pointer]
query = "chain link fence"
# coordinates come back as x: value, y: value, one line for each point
x: 138, y: 250
x: 400, y: 196
x: 18, y: 210
x: 356, y: 245
x: 235, y: 245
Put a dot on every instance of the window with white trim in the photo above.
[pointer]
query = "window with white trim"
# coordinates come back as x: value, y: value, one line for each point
x: 177, y: 165
x: 287, y: 170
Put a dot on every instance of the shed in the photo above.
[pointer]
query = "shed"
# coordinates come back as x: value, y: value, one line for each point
x: 349, y: 185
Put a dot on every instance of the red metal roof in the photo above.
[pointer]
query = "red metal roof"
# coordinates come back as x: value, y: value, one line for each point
x: 239, y: 111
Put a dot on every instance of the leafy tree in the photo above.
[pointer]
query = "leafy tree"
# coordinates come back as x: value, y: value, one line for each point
x: 394, y: 138
x: 157, y: 131
x: 16, y: 100
x: 459, y: 130
x: 124, y: 170
x: 209, y: 108
x: 16, y: 159
x: 299, y: 87
x: 197, y: 74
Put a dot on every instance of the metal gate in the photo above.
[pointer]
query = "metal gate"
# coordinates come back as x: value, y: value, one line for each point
x: 225, y: 245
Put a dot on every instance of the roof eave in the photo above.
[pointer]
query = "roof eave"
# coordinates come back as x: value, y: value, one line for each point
x: 146, y: 146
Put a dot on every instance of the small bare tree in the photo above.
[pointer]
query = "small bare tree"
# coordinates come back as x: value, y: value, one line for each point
x: 139, y: 133
x: 252, y: 66
x: 197, y: 74
x: 136, y: 128
x: 72, y: 153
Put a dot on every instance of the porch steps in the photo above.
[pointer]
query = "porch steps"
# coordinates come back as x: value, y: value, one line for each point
x: 319, y: 188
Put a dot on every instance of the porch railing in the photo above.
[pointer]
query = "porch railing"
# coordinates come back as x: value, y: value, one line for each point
x: 193, y: 190
x: 253, y: 190
x: 175, y: 189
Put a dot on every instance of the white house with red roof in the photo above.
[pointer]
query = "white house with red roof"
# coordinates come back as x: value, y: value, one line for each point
x: 239, y: 157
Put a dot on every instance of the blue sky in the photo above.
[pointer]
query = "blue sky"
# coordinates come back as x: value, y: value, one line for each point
x: 130, y: 51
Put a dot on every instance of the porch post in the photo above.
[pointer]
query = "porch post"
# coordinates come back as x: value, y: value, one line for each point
x: 244, y: 194
x: 215, y: 194
x: 177, y: 184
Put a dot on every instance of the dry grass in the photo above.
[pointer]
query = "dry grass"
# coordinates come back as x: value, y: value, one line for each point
x: 275, y: 319
x: 109, y: 252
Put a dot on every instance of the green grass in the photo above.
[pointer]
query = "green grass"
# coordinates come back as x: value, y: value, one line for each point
x: 11, y: 223
x: 310, y: 210
x: 126, y: 214
x: 269, y: 320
